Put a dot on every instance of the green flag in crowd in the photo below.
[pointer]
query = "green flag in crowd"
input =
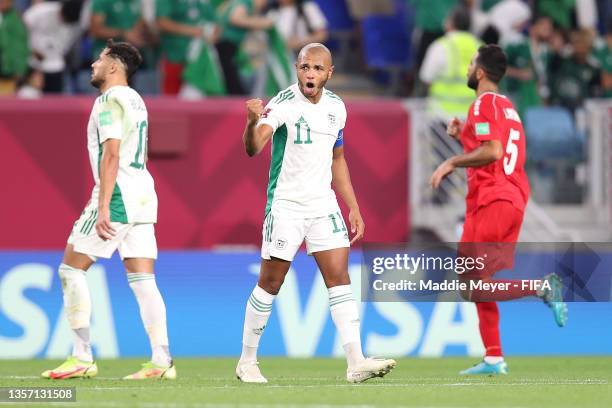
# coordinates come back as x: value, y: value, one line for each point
x: 279, y: 60
x: 203, y: 70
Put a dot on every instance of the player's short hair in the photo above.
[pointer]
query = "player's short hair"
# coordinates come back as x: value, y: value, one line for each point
x: 126, y: 53
x: 460, y: 18
x: 493, y: 61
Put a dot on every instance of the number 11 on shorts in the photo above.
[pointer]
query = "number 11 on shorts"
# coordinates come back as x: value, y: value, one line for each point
x: 332, y: 217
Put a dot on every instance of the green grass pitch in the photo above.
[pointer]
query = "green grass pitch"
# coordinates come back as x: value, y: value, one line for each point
x: 572, y: 382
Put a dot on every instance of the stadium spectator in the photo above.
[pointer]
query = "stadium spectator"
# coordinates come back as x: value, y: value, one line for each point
x: 299, y: 22
x: 237, y: 18
x: 358, y: 9
x: 13, y: 47
x: 526, y: 78
x: 576, y: 76
x: 31, y: 85
x: 429, y: 23
x: 604, y: 11
x: 568, y: 14
x: 506, y: 21
x: 149, y: 10
x: 53, y: 29
x: 586, y: 14
x: 603, y: 52
x: 445, y: 64
x: 117, y: 19
x: 183, y: 25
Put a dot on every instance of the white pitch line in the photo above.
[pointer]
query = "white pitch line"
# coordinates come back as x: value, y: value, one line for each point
x: 355, y: 386
x: 112, y: 404
x: 395, y: 385
x: 85, y: 383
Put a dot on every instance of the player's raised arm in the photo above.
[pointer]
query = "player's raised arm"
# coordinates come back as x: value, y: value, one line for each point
x: 341, y: 180
x: 255, y: 137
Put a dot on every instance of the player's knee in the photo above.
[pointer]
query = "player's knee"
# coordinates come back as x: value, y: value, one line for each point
x: 337, y: 279
x: 271, y: 284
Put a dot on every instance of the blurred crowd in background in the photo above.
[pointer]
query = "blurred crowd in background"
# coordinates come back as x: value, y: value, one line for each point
x: 559, y: 50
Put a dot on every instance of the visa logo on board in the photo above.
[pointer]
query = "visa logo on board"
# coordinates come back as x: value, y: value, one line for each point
x: 301, y: 320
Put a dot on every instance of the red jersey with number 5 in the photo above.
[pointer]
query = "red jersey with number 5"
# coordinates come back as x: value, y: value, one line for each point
x: 493, y: 117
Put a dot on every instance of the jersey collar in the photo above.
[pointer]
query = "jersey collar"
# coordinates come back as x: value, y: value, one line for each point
x: 491, y: 93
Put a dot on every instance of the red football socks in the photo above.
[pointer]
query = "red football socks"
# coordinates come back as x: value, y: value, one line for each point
x: 488, y: 315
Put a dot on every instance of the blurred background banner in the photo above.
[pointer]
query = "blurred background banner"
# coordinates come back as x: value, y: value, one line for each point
x: 211, y: 193
x: 205, y: 296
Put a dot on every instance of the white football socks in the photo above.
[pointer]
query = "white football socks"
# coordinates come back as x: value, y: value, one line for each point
x: 493, y: 359
x: 77, y: 306
x: 345, y: 315
x: 258, y: 310
x: 153, y: 314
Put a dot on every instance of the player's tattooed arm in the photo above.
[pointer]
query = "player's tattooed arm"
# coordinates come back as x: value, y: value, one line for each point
x: 109, y: 167
x: 255, y: 137
x: 341, y: 180
x: 488, y: 152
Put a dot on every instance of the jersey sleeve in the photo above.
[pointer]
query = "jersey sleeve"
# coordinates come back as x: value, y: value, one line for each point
x: 342, y: 124
x: 487, y: 122
x: 110, y: 120
x: 339, y: 139
x: 273, y: 115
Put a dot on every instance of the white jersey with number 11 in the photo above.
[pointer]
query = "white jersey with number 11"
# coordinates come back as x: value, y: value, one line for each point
x: 305, y: 135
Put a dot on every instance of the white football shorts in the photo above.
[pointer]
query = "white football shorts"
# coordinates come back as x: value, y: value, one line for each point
x: 131, y: 240
x: 283, y: 236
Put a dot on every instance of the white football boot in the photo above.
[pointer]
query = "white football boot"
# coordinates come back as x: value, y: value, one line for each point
x: 369, y: 368
x: 248, y: 372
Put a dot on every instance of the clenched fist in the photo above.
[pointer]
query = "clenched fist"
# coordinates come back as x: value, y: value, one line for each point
x: 255, y: 109
x: 454, y: 128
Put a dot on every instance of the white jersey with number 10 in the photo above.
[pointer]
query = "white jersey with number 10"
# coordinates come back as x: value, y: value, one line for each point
x: 120, y: 113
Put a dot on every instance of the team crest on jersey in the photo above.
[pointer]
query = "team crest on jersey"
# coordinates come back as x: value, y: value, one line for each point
x: 265, y: 113
x: 280, y: 244
x: 331, y: 119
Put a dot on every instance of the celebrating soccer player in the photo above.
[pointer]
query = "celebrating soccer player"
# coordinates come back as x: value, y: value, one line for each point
x: 305, y: 123
x: 494, y: 155
x: 119, y: 216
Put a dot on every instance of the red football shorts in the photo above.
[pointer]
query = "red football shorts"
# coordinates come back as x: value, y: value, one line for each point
x: 491, y: 234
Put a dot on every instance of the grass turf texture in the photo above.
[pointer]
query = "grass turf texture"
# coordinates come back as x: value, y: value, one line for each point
x: 208, y: 383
